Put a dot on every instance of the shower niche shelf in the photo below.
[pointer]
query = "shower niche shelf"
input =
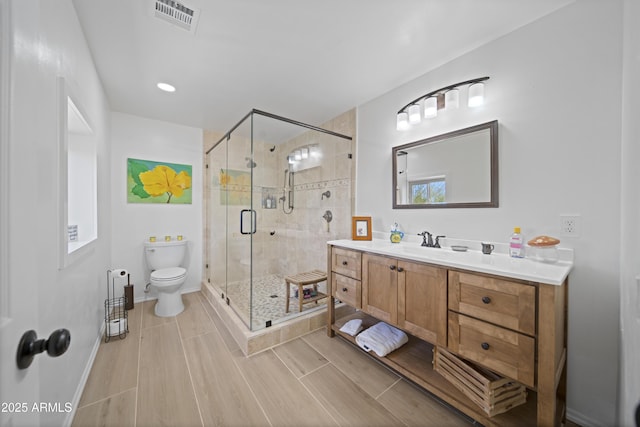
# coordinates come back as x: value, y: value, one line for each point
x: 269, y: 198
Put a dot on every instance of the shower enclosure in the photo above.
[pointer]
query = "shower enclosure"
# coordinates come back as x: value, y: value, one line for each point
x: 277, y: 190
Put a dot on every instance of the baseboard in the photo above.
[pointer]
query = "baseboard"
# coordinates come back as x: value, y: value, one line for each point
x: 582, y: 420
x: 83, y: 379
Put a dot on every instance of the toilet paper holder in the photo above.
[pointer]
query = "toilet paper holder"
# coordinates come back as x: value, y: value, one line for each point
x: 115, y: 313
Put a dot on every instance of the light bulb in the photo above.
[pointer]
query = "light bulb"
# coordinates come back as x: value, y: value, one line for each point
x: 297, y: 155
x: 402, y: 121
x: 476, y: 95
x: 414, y: 114
x: 451, y: 99
x: 304, y: 152
x: 431, y: 107
x: 166, y: 87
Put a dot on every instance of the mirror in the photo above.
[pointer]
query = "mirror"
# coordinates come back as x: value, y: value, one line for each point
x: 454, y: 170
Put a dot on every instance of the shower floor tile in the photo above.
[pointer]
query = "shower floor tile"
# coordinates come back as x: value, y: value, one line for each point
x: 269, y: 297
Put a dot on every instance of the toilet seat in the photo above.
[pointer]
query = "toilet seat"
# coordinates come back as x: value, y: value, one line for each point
x: 166, y: 274
x: 167, y: 277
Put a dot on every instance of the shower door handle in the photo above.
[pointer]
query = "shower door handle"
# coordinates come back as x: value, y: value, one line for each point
x: 252, y: 214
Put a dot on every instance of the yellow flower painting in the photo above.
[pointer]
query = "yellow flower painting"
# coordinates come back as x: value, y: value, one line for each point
x: 156, y: 182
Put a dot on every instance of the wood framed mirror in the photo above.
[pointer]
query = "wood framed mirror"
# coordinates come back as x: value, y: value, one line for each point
x: 458, y: 169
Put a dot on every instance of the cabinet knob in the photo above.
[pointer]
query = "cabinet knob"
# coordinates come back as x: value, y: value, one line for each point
x: 344, y: 289
x: 486, y: 300
x: 485, y: 346
x: 400, y: 269
x: 392, y: 267
x: 344, y: 263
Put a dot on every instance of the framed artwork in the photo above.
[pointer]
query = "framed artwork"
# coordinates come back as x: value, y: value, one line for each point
x: 361, y: 228
x: 158, y: 182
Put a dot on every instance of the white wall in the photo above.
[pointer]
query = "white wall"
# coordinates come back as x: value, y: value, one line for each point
x: 555, y: 89
x: 630, y: 227
x: 133, y: 223
x: 48, y: 43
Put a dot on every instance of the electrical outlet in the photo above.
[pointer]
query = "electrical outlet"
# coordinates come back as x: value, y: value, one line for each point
x: 570, y: 225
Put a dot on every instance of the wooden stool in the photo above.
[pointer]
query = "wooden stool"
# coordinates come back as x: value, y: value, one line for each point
x: 303, y: 279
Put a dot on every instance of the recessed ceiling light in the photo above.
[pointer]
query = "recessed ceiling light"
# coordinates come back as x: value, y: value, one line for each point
x: 166, y: 87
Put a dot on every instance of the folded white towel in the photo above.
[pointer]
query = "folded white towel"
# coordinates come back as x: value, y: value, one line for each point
x: 382, y: 339
x: 352, y: 327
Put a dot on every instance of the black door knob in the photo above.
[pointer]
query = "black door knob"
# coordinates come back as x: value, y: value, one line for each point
x: 30, y: 345
x: 485, y: 346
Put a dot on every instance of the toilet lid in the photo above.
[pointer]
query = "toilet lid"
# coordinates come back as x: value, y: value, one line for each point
x: 168, y: 273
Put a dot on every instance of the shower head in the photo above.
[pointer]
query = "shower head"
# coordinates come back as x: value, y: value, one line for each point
x: 250, y: 163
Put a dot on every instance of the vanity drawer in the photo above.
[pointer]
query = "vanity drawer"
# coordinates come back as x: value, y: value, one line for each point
x: 506, y: 352
x: 346, y: 262
x: 502, y: 302
x: 347, y: 290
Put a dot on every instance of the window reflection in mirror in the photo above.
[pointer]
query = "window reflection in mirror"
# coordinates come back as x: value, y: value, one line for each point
x: 456, y: 169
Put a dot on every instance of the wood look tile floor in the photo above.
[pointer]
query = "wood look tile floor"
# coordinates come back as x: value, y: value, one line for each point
x: 188, y: 371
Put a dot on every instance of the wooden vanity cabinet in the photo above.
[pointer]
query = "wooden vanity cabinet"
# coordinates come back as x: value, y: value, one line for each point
x: 513, y: 327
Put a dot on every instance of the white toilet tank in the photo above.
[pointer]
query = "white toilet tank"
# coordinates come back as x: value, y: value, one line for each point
x: 161, y: 255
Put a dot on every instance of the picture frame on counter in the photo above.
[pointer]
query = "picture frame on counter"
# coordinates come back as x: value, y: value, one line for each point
x: 361, y: 228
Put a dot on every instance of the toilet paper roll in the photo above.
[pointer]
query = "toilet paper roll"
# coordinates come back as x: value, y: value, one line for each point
x: 120, y: 272
x: 117, y: 327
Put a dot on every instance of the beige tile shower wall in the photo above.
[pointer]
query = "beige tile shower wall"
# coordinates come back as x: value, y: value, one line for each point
x: 283, y: 244
x: 302, y: 242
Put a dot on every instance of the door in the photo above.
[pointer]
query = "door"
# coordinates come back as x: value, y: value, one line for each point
x: 422, y: 301
x: 242, y: 220
x: 380, y: 287
x: 19, y: 389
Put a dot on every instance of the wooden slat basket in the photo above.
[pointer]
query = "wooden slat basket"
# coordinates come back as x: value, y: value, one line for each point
x: 493, y: 393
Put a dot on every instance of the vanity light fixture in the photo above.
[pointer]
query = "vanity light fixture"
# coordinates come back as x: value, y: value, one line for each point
x: 446, y: 97
x: 431, y: 107
x: 476, y: 95
x: 166, y: 87
x: 451, y: 99
x: 414, y: 114
x: 402, y: 120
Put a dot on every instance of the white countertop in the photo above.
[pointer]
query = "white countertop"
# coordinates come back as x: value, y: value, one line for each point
x: 473, y: 260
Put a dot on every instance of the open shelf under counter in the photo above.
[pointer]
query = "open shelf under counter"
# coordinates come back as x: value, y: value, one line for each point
x: 414, y: 361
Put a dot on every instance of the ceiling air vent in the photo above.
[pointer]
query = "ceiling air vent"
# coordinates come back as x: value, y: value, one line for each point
x: 177, y: 14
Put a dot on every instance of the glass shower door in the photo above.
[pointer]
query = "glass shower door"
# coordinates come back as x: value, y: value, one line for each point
x: 242, y: 220
x: 217, y: 218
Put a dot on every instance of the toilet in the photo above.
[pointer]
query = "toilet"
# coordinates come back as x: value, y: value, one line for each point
x: 164, y: 260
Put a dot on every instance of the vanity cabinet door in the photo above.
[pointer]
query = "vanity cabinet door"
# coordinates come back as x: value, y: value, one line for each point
x: 380, y: 287
x: 422, y: 301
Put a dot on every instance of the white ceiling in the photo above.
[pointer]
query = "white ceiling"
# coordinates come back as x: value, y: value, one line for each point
x: 303, y: 59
